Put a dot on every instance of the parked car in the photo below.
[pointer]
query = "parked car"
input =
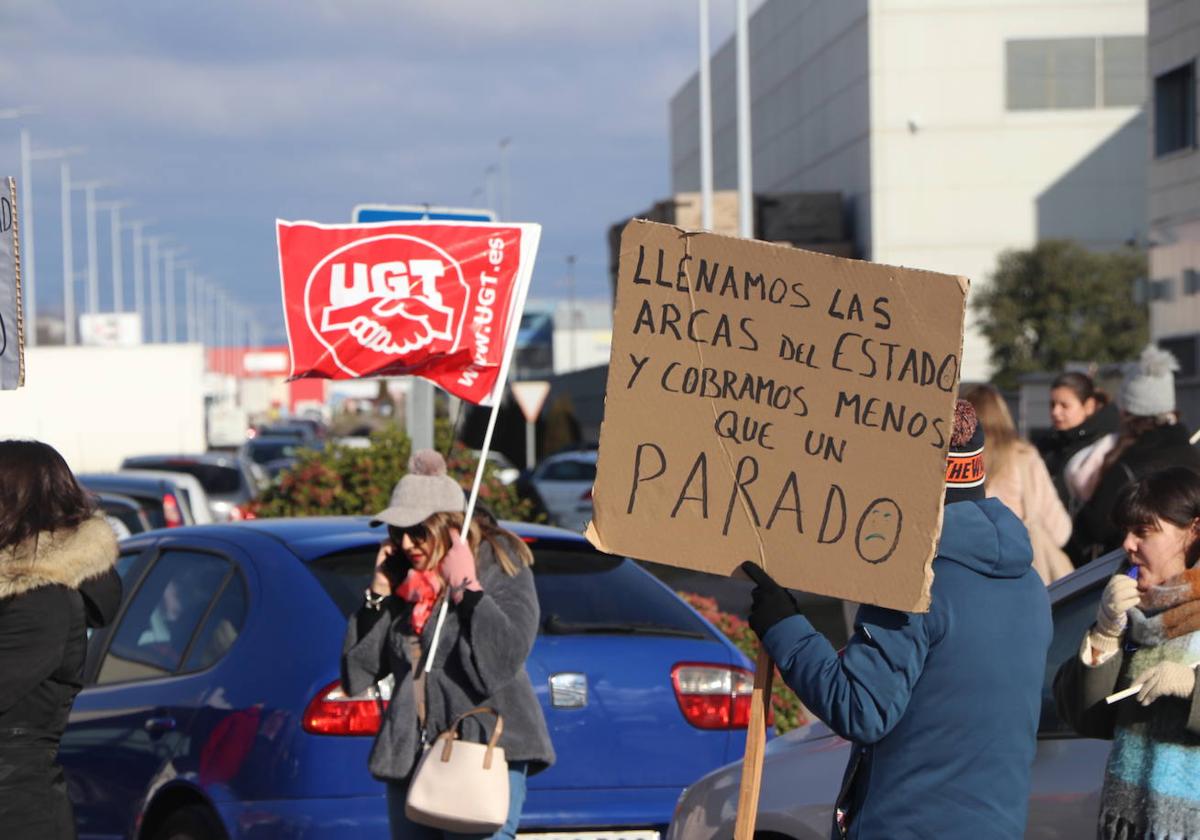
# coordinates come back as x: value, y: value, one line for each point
x: 275, y: 454
x: 564, y: 483
x: 190, y: 489
x: 161, y: 499
x: 227, y: 479
x: 125, y: 510
x: 212, y: 705
x: 300, y: 430
x: 505, y: 471
x: 802, y: 770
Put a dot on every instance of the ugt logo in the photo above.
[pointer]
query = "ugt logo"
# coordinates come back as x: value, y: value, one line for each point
x: 390, y: 295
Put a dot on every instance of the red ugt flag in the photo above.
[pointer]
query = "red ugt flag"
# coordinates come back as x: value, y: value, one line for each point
x: 434, y: 299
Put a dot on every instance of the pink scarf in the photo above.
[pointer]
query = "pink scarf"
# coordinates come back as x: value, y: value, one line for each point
x: 421, y: 590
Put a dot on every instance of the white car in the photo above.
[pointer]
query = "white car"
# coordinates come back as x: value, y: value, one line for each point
x: 564, y: 482
x: 190, y: 488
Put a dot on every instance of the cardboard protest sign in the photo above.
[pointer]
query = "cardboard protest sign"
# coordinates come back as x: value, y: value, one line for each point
x: 439, y: 300
x: 771, y: 404
x: 12, y: 325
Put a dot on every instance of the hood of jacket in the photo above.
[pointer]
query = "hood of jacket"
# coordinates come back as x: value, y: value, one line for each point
x: 986, y: 537
x: 67, y: 558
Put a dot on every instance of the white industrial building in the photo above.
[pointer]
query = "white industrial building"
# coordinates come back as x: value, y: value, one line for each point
x: 1173, y: 47
x: 954, y: 129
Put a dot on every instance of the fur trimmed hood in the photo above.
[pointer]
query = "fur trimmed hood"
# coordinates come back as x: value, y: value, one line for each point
x: 66, y: 557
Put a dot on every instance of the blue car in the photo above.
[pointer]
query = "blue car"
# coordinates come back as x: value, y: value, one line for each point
x: 212, y: 707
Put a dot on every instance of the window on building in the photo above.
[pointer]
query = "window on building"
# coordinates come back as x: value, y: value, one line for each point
x: 1123, y: 80
x: 1075, y: 73
x: 1191, y: 282
x: 1175, y: 110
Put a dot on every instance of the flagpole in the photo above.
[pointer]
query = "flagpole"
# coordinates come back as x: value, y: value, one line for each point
x: 529, y: 238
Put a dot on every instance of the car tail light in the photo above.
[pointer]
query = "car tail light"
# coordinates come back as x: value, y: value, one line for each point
x: 714, y: 696
x: 331, y: 712
x: 587, y: 495
x: 171, y: 511
x: 240, y: 513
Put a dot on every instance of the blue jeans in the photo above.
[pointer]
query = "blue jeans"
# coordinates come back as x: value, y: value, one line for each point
x: 405, y: 829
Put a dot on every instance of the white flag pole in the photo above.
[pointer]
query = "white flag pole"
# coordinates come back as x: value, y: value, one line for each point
x: 530, y: 235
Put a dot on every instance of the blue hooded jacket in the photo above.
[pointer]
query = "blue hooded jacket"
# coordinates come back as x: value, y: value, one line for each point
x: 942, y: 707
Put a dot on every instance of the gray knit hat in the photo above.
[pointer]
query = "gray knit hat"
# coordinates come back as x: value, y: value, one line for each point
x: 424, y: 491
x: 1149, y: 386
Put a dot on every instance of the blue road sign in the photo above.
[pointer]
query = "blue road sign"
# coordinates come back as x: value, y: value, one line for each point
x: 419, y: 212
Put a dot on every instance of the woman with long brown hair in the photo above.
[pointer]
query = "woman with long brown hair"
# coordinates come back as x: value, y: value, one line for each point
x: 479, y: 660
x: 56, y: 580
x: 1017, y: 476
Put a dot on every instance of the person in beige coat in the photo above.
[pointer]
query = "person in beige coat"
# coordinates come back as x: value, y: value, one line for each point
x: 1017, y: 476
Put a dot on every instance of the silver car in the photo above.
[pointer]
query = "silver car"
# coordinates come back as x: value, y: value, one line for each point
x: 802, y: 770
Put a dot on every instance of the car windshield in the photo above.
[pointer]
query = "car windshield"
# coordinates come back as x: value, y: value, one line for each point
x: 580, y: 592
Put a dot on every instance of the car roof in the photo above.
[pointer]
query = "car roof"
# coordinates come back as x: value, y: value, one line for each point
x: 116, y: 499
x: 589, y: 455
x: 218, y: 459
x: 310, y: 537
x: 130, y: 481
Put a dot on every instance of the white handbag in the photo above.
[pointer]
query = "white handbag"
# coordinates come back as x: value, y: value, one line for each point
x: 461, y: 786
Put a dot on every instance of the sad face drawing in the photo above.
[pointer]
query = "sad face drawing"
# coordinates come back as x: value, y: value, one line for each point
x: 878, y: 531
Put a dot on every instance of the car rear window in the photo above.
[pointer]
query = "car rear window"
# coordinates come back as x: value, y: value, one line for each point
x: 264, y: 452
x: 580, y: 592
x: 214, y: 478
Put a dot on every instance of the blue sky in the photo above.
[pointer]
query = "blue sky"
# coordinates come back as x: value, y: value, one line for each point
x: 215, y: 118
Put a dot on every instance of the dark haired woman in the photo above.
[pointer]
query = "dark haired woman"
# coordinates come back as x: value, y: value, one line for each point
x: 1146, y: 636
x: 480, y: 656
x: 1151, y: 438
x: 56, y: 580
x: 1082, y: 418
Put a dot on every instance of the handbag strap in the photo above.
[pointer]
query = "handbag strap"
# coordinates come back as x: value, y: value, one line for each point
x: 451, y: 734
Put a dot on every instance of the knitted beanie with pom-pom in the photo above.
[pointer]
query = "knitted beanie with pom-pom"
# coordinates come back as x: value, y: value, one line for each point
x: 1148, y: 389
x: 964, y: 461
x: 424, y: 491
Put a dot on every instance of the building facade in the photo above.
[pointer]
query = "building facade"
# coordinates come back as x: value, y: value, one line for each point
x: 955, y: 129
x: 1173, y: 47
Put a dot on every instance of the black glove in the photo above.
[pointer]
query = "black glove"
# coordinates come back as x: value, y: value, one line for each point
x: 771, y: 603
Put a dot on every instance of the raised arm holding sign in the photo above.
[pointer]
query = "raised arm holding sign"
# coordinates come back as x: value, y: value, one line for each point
x: 797, y: 410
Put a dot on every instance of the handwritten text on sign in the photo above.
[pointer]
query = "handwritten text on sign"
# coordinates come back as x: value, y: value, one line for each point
x: 773, y: 404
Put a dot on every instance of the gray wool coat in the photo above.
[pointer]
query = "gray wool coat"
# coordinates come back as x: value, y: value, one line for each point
x: 480, y: 661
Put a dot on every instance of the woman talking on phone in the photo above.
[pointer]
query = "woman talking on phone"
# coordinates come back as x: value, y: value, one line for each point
x: 1146, y: 637
x: 482, y: 573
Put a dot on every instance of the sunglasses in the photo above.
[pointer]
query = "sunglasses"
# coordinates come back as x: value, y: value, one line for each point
x: 417, y: 533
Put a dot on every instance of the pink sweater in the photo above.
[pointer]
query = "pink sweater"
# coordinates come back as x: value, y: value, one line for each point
x: 1026, y: 488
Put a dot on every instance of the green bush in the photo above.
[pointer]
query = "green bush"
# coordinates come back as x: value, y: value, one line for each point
x: 789, y: 711
x: 344, y: 480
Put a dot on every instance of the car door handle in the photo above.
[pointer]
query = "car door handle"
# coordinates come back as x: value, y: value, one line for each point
x: 159, y: 725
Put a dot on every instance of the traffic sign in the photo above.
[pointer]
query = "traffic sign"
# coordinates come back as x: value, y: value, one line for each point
x: 364, y: 213
x: 531, y: 396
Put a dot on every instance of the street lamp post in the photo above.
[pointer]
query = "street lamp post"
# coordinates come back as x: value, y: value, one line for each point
x: 139, y: 290
x: 155, y: 323
x: 504, y: 144
x: 571, y: 305
x: 93, y: 268
x: 68, y: 255
x: 169, y: 292
x: 118, y: 278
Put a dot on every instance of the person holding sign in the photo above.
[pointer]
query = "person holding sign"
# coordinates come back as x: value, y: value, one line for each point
x: 485, y: 639
x: 942, y: 707
x: 1146, y: 639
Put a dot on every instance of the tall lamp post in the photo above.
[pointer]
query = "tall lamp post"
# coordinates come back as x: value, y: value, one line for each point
x: 118, y: 277
x: 139, y: 274
x: 504, y: 195
x: 28, y: 262
x: 93, y: 267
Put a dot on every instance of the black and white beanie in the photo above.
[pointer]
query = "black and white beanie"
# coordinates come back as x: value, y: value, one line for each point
x: 964, y: 461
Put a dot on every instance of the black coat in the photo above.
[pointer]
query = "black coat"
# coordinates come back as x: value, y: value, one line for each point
x: 51, y: 589
x: 1058, y: 446
x: 1159, y: 448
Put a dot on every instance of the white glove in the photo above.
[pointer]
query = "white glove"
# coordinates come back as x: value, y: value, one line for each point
x: 1120, y: 596
x: 1166, y: 679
